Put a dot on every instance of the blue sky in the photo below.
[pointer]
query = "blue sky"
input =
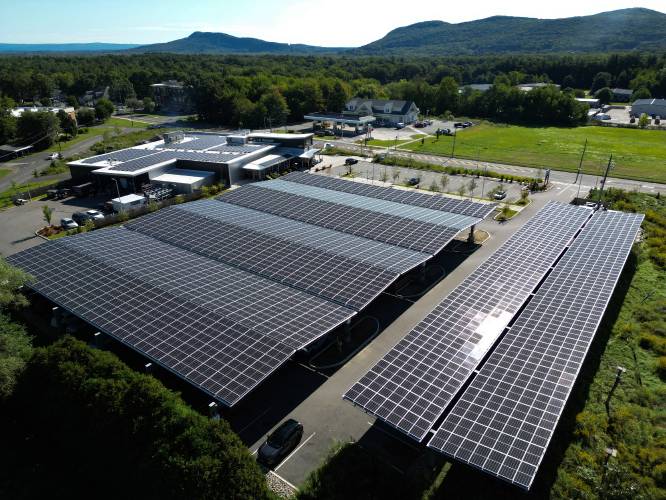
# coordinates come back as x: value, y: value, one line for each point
x: 329, y: 23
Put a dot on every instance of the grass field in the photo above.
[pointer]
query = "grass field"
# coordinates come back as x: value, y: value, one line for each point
x: 6, y: 197
x: 4, y: 172
x: 638, y: 154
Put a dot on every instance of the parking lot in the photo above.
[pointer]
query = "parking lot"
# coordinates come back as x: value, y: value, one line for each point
x: 373, y: 173
x: 18, y: 224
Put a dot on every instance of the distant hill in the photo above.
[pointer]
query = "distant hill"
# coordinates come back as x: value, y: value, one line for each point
x: 221, y: 43
x: 626, y: 29
x: 63, y: 47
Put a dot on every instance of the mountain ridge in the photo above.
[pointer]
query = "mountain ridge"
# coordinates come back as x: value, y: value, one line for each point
x: 619, y: 30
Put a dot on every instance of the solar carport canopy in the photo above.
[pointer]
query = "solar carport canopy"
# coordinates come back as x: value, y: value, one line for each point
x: 410, y: 387
x: 218, y: 327
x: 505, y: 419
x: 223, y: 292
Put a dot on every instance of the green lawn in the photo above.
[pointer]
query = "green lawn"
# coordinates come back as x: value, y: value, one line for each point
x: 4, y: 172
x: 638, y: 154
x: 22, y: 190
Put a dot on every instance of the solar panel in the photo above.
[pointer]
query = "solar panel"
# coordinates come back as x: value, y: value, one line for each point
x: 391, y: 229
x: 205, y: 348
x: 505, y: 419
x: 122, y: 155
x: 440, y: 218
x: 238, y: 148
x: 347, y: 281
x: 375, y: 253
x: 200, y: 143
x: 205, y: 157
x: 412, y: 384
x: 145, y: 161
x: 411, y: 197
x: 290, y: 316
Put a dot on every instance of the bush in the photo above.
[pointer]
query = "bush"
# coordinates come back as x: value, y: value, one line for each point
x: 80, y: 421
x: 661, y: 367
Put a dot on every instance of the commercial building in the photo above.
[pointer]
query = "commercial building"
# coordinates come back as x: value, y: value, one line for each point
x: 389, y: 112
x: 172, y: 97
x: 622, y: 95
x: 185, y: 162
x: 18, y: 112
x: 356, y: 124
x: 650, y: 107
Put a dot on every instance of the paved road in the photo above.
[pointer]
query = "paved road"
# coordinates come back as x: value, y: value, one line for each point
x: 23, y: 168
x: 588, y: 181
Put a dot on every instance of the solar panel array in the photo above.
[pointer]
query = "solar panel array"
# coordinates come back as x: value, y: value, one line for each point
x: 400, y: 231
x: 209, y: 350
x: 374, y: 253
x: 290, y: 316
x: 341, y: 279
x: 199, y: 143
x: 144, y: 162
x: 420, y: 214
x: 122, y: 155
x: 411, y: 197
x: 505, y: 419
x: 412, y: 384
x: 238, y: 148
x: 223, y: 294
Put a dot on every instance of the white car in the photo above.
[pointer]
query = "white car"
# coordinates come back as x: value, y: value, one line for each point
x: 68, y: 223
x: 53, y: 156
x: 94, y: 214
x: 328, y: 145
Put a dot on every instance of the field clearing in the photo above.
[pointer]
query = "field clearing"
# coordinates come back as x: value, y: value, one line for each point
x: 638, y: 154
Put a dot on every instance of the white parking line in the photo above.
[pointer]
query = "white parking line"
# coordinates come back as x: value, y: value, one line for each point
x: 282, y: 479
x: 294, y: 452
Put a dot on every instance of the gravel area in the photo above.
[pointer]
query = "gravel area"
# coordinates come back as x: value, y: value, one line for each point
x: 279, y: 485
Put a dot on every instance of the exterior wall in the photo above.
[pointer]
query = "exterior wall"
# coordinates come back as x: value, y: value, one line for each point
x: 648, y: 109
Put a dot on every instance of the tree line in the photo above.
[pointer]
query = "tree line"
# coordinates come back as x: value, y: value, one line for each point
x: 257, y: 91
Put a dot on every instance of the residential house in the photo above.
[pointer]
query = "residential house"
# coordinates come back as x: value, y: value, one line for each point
x: 385, y: 111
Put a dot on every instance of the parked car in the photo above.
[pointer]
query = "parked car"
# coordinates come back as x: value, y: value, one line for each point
x: 459, y: 125
x: 467, y: 124
x: 67, y: 223
x: 419, y: 124
x: 499, y: 195
x: 282, y: 441
x: 328, y: 145
x: 94, y: 214
x: 351, y: 161
x: 400, y: 125
x: 54, y: 156
x: 20, y: 201
x: 80, y: 218
x: 414, y: 181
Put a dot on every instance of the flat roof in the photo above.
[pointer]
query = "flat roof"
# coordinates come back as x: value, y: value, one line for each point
x: 129, y: 198
x: 183, y: 176
x: 340, y: 118
x: 194, y: 147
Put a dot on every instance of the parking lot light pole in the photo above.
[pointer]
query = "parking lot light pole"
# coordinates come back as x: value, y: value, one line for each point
x: 118, y: 191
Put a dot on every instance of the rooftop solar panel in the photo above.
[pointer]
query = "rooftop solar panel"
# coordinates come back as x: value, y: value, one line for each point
x: 428, y: 215
x: 375, y: 253
x: 346, y: 281
x: 505, y: 419
x: 144, y: 162
x: 290, y: 316
x: 209, y: 350
x: 410, y: 387
x: 435, y: 202
x: 400, y: 231
x: 122, y: 155
x: 238, y: 148
x: 199, y: 143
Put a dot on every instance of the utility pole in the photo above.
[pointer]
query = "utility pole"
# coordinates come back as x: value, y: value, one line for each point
x: 603, y: 181
x: 580, y: 164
